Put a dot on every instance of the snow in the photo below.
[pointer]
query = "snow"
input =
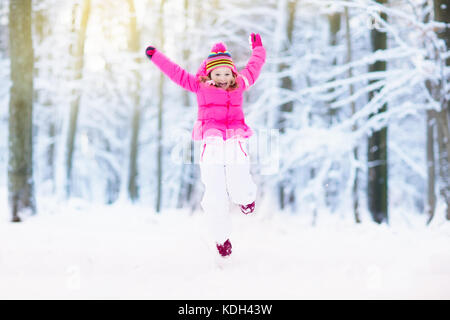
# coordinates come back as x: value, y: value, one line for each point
x: 81, y: 251
x: 312, y: 249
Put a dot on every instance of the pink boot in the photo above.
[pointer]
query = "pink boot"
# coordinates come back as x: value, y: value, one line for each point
x: 224, y: 249
x: 249, y: 208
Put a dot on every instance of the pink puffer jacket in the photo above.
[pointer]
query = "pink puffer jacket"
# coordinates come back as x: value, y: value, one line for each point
x: 219, y: 111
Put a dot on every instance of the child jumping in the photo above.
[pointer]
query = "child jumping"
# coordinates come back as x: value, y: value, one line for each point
x: 224, y: 160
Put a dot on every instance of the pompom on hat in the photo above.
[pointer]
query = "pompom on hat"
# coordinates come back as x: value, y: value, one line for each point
x: 219, y: 57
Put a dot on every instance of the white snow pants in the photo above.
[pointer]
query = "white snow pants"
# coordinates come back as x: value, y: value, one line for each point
x: 225, y: 172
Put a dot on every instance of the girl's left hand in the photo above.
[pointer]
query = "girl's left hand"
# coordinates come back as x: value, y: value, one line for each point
x: 255, y: 40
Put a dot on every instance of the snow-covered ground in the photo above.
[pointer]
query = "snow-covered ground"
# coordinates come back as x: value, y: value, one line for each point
x: 129, y: 252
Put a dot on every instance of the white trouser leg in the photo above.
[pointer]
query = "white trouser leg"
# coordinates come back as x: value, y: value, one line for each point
x: 240, y: 185
x: 215, y: 201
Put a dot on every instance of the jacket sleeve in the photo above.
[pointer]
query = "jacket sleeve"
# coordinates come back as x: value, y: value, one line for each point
x: 253, y: 68
x: 175, y: 72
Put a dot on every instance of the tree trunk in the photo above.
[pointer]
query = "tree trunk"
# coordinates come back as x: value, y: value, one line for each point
x: 331, y: 185
x: 355, y: 198
x: 78, y: 54
x: 334, y: 22
x: 160, y: 114
x: 430, y: 134
x: 188, y: 169
x: 444, y: 161
x: 133, y: 45
x: 286, y: 82
x: 3, y: 31
x: 186, y: 49
x: 431, y: 193
x: 442, y: 14
x: 287, y: 108
x: 44, y: 31
x: 377, y: 145
x: 20, y: 166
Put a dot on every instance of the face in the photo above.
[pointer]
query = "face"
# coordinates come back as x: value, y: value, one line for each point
x: 223, y: 77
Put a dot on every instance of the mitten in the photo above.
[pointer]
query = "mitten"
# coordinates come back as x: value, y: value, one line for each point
x: 150, y: 51
x: 255, y: 40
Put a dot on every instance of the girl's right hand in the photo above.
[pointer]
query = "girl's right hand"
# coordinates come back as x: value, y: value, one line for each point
x: 150, y: 51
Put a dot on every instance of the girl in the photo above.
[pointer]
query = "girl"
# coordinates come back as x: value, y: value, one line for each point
x: 224, y: 160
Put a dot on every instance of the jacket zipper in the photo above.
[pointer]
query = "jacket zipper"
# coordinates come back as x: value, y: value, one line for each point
x: 228, y: 107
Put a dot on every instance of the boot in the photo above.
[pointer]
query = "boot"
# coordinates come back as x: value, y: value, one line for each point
x: 249, y: 208
x: 224, y: 249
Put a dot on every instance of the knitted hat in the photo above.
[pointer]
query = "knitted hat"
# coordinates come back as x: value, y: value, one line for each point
x: 219, y: 57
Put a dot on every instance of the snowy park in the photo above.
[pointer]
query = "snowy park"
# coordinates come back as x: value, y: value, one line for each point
x: 218, y: 150
x: 128, y: 252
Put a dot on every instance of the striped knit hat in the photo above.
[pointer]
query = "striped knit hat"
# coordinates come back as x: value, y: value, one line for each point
x: 219, y: 57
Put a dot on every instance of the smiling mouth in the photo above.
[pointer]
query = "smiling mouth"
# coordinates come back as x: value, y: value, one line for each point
x: 222, y: 84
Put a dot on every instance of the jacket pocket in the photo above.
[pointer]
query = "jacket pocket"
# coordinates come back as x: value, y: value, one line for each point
x: 203, y: 151
x: 242, y: 149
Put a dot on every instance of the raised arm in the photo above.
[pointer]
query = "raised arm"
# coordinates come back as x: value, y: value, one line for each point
x: 172, y: 70
x: 253, y: 68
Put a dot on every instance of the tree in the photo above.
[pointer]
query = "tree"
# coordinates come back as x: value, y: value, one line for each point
x: 3, y: 29
x: 442, y: 14
x: 331, y: 184
x: 377, y: 187
x: 430, y: 140
x: 20, y: 169
x: 188, y: 173
x: 286, y: 84
x: 43, y: 31
x: 355, y: 198
x: 160, y: 113
x: 78, y: 55
x: 334, y: 22
x: 134, y: 46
